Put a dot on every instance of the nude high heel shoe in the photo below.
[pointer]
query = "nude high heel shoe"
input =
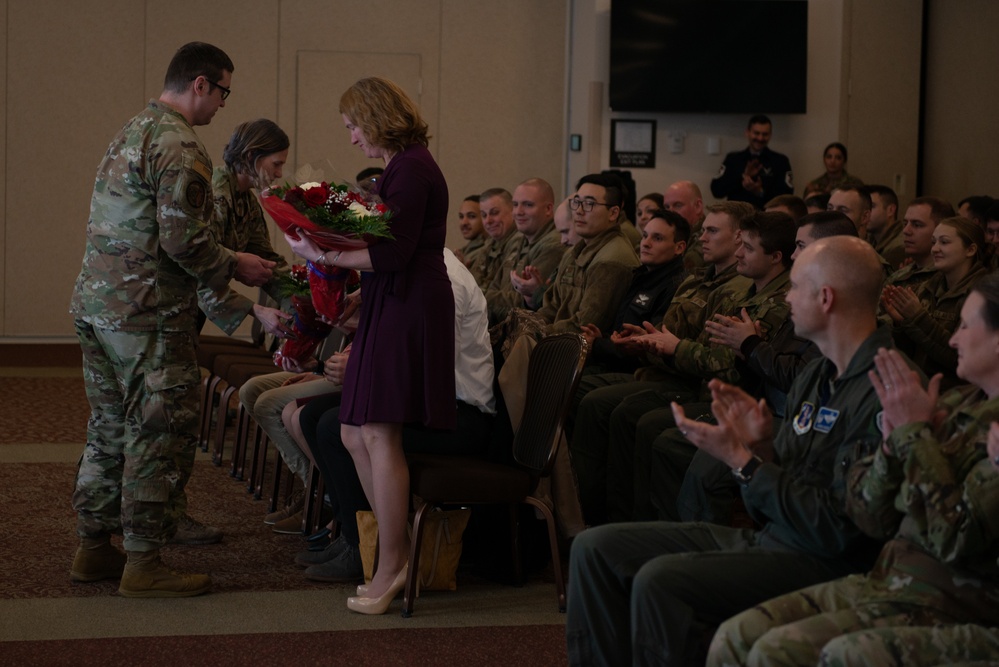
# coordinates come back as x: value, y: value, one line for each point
x: 379, y: 605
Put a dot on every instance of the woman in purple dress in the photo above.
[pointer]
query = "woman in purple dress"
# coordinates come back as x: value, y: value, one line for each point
x: 401, y: 367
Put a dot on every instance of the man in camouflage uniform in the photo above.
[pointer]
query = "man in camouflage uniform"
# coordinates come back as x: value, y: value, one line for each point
x: 496, y: 205
x: 765, y: 258
x: 536, y: 243
x: 595, y: 429
x: 921, y: 218
x: 933, y: 486
x: 642, y: 593
x: 149, y: 247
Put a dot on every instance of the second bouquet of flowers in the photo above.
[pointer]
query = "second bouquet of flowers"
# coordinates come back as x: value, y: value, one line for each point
x: 334, y: 217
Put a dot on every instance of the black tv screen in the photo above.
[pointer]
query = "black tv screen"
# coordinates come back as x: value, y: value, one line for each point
x: 719, y: 56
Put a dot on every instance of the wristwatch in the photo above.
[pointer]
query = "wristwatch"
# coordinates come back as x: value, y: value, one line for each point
x: 744, y: 475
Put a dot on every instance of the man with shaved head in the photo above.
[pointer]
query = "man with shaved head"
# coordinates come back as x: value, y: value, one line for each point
x: 684, y: 197
x: 535, y: 244
x: 642, y: 592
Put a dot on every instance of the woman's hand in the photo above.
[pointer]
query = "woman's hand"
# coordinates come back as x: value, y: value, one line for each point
x: 302, y: 246
x: 903, y: 398
x: 901, y: 303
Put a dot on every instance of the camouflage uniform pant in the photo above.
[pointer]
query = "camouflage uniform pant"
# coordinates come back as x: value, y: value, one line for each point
x: 142, y: 434
x: 793, y: 629
x: 950, y: 645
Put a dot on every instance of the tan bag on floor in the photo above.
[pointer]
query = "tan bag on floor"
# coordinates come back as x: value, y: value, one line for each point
x: 439, y: 554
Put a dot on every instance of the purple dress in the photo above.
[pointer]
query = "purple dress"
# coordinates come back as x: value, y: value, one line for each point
x: 401, y: 366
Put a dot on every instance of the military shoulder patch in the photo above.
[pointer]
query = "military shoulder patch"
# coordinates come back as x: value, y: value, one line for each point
x: 196, y: 193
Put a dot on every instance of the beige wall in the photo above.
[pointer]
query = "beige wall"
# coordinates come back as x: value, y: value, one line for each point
x: 961, y: 98
x: 75, y: 72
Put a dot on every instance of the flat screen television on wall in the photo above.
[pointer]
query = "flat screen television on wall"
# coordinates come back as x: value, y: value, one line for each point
x: 714, y: 56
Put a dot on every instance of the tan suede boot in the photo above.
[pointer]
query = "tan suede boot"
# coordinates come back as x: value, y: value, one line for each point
x: 97, y: 559
x: 146, y: 576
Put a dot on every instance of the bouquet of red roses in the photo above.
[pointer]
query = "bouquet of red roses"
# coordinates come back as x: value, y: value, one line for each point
x: 334, y: 217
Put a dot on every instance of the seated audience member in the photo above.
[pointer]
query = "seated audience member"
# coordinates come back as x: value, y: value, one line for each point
x: 975, y: 208
x: 854, y: 202
x: 266, y: 397
x: 530, y: 283
x: 918, y: 223
x: 884, y: 230
x: 645, y: 207
x: 924, y: 318
x: 992, y: 233
x: 496, y: 206
x: 536, y: 244
x: 594, y: 276
x: 820, y: 225
x: 470, y: 226
x: 605, y: 416
x: 319, y: 420
x: 624, y: 223
x: 684, y: 197
x: 816, y: 203
x: 932, y: 490
x: 367, y: 180
x: 657, y: 473
x: 834, y: 158
x: 793, y: 206
x: 638, y: 593
x: 653, y: 284
x: 755, y: 174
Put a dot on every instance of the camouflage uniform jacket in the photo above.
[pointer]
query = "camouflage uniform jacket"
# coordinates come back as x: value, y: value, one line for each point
x: 544, y: 253
x: 240, y: 226
x: 493, y: 258
x: 149, y: 242
x: 890, y: 245
x: 686, y: 314
x: 591, y: 282
x: 912, y: 276
x: 473, y: 250
x: 706, y: 360
x: 926, y: 337
x: 800, y: 497
x: 938, y: 493
x: 693, y: 256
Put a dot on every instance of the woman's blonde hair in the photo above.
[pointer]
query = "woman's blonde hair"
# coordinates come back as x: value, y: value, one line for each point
x: 385, y: 113
x: 970, y: 233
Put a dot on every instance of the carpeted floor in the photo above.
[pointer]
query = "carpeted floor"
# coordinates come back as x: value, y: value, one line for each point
x: 261, y: 610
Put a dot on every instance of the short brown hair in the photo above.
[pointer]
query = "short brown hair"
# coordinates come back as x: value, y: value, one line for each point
x: 385, y: 113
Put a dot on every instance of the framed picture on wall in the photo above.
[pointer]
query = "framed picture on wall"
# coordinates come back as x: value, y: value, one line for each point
x: 633, y: 144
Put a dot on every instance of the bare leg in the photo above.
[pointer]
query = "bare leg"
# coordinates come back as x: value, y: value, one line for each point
x: 290, y: 416
x: 390, y: 485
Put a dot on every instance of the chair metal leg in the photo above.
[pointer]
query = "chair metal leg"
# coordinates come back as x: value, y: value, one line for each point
x: 211, y: 383
x: 556, y: 557
x: 413, y: 576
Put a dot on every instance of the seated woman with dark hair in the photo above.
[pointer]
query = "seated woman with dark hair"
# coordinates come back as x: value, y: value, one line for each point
x: 834, y: 158
x: 925, y: 318
x: 932, y: 489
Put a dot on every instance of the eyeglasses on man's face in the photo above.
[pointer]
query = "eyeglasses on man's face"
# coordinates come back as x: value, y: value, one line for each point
x: 587, y: 204
x: 224, y: 91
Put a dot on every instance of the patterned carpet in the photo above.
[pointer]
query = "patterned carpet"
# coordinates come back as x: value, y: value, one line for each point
x: 48, y: 414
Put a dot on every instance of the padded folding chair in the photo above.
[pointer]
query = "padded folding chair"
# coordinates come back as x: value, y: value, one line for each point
x: 553, y: 373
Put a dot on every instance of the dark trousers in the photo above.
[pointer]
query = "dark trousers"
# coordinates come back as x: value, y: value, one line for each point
x: 320, y: 422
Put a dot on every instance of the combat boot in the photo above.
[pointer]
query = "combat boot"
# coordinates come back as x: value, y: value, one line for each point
x: 97, y: 559
x: 146, y: 576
